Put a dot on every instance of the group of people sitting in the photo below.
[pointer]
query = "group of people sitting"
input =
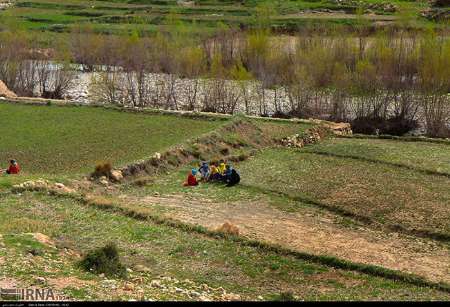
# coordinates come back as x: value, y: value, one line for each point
x: 214, y: 172
x: 13, y: 168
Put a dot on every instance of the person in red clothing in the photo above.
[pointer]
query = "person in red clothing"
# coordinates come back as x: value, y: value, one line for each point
x: 13, y: 168
x: 192, y: 180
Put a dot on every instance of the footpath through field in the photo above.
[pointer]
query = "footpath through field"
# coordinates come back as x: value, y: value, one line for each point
x: 311, y: 232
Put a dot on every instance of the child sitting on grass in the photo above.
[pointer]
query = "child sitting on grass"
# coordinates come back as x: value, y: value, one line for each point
x: 214, y: 174
x: 13, y: 168
x: 191, y: 180
x: 204, y: 171
x: 231, y: 176
x: 222, y: 169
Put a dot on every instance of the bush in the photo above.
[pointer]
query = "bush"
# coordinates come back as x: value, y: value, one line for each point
x: 52, y: 95
x: 279, y: 114
x: 440, y: 3
x: 399, y: 126
x: 104, y: 260
x: 102, y: 169
x: 229, y: 229
x: 392, y: 126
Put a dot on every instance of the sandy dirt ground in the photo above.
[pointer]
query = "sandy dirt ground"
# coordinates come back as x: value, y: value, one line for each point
x: 311, y: 233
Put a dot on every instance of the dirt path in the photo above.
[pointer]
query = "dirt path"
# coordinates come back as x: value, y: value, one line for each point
x: 311, y: 233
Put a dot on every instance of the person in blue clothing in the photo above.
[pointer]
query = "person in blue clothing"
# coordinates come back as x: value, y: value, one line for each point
x: 204, y: 171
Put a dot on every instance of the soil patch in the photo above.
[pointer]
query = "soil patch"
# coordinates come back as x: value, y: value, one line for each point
x: 312, y: 233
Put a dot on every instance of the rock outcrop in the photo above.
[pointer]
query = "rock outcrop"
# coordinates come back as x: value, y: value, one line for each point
x: 4, y: 4
x: 316, y: 134
x: 339, y: 128
x: 116, y: 175
x: 42, y: 185
x: 311, y: 136
x: 5, y: 92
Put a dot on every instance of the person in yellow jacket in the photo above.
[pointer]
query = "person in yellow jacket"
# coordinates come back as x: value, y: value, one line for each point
x: 214, y: 174
x: 222, y: 168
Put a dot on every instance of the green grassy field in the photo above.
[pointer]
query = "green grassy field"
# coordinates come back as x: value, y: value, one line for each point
x: 375, y: 190
x: 249, y: 272
x: 70, y: 140
x: 418, y: 155
x: 386, y: 181
x: 151, y: 16
x: 397, y: 184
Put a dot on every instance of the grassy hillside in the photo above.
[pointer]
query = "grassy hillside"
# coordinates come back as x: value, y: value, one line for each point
x: 374, y: 189
x: 402, y: 185
x: 428, y: 157
x: 308, y: 218
x: 149, y: 16
x: 67, y: 140
x: 250, y: 272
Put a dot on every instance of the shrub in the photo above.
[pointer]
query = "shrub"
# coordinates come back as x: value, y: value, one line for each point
x: 440, y: 3
x: 229, y: 229
x: 399, y: 126
x: 51, y: 95
x: 102, y: 169
x: 365, y: 125
x: 279, y: 114
x: 392, y: 126
x: 104, y: 260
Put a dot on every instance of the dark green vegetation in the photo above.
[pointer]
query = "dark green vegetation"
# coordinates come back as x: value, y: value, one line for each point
x: 104, y: 260
x: 242, y: 269
x: 66, y: 140
x: 204, y: 16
